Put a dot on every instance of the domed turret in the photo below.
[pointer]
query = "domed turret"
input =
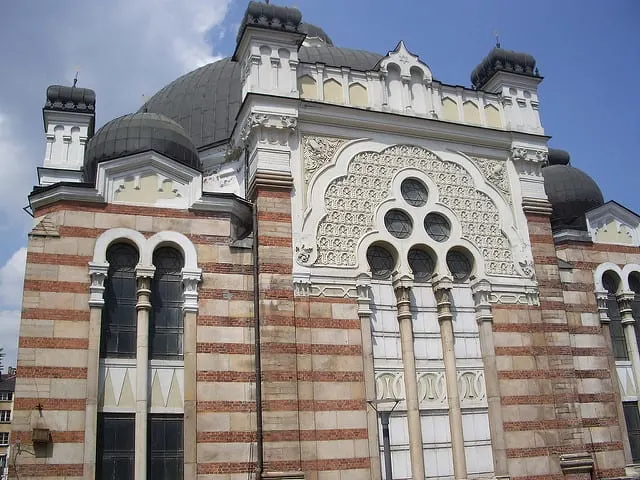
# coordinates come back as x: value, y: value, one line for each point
x: 571, y: 191
x: 137, y: 133
x: 314, y: 31
x: 501, y: 60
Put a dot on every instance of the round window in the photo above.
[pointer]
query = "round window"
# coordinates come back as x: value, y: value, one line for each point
x: 437, y: 227
x: 459, y: 264
x: 398, y: 223
x: 414, y: 192
x: 421, y: 263
x: 380, y: 261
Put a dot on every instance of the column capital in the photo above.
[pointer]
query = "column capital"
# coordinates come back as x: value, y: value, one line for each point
x: 481, y: 291
x: 144, y: 274
x: 145, y: 271
x: 191, y: 278
x: 601, y: 298
x: 401, y: 280
x: 442, y: 288
x: 363, y: 288
x: 98, y: 274
x: 625, y: 303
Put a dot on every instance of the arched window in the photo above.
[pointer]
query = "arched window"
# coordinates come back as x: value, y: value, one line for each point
x: 166, y: 326
x: 118, y: 335
x: 634, y: 285
x: 610, y: 283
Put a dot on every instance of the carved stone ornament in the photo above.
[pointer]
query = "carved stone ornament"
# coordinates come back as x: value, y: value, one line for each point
x: 529, y: 161
x: 98, y: 274
x: 495, y: 173
x: 352, y: 199
x: 303, y: 254
x: 190, y: 281
x: 272, y: 129
x: 318, y: 151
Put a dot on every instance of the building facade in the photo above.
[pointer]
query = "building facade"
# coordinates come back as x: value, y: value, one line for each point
x: 7, y: 388
x: 306, y: 261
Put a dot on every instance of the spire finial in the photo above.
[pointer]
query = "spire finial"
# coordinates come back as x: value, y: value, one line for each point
x: 75, y: 78
x: 497, y: 35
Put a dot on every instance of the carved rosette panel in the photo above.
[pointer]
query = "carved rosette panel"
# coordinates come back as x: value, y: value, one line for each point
x: 352, y: 199
x: 495, y: 173
x: 432, y: 388
x: 318, y: 151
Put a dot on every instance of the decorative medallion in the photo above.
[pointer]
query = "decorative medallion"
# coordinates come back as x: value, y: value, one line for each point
x: 495, y: 173
x: 352, y: 199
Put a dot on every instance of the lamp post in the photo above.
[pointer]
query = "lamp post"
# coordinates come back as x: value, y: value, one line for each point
x: 386, y: 440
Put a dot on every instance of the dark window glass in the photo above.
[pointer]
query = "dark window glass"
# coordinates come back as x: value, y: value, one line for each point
x: 398, y: 223
x: 421, y: 264
x: 118, y: 336
x: 165, y: 446
x: 437, y: 227
x: 632, y: 418
x: 115, y: 446
x: 634, y: 284
x: 380, y: 261
x: 414, y: 192
x: 610, y: 283
x: 459, y: 265
x: 166, y: 325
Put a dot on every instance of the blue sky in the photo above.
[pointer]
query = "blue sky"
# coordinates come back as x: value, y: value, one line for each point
x: 588, y: 52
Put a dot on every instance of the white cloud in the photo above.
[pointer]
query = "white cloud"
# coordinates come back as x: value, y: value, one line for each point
x: 11, y: 279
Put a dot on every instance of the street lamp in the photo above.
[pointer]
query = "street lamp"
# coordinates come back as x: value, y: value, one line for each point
x: 384, y: 419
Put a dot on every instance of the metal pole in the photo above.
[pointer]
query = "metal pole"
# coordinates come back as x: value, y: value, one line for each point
x: 386, y: 444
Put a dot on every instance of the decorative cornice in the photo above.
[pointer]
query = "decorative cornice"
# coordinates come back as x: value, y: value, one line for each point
x: 536, y: 206
x: 270, y: 180
x: 59, y: 193
x: 97, y: 274
x: 528, y: 160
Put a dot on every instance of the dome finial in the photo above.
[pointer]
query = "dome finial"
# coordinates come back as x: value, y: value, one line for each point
x: 496, y: 34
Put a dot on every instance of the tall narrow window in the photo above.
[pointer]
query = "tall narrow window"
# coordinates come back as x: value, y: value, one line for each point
x: 167, y: 326
x: 634, y: 285
x: 118, y: 337
x: 115, y: 446
x: 166, y: 448
x: 632, y: 418
x: 610, y: 283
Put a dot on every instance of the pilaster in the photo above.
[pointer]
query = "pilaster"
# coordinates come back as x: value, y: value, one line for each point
x: 442, y: 289
x: 144, y: 275
x: 363, y: 287
x: 402, y: 287
x: 98, y: 275
x: 481, y: 290
x: 529, y: 160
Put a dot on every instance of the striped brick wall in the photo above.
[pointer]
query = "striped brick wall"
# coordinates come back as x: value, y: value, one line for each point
x: 553, y: 362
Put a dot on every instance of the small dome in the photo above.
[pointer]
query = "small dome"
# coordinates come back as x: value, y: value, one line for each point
x: 558, y: 157
x: 572, y: 193
x: 137, y: 133
x: 270, y: 16
x: 76, y: 99
x: 314, y: 31
x: 500, y: 60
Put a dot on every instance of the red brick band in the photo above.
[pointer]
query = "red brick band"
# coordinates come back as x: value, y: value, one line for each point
x: 52, y: 372
x: 55, y: 286
x: 47, y: 470
x: 23, y: 403
x: 49, y: 342
x: 56, y: 314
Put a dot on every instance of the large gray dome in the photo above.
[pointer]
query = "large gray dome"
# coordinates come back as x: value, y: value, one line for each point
x: 137, y: 133
x: 206, y: 101
x: 572, y: 193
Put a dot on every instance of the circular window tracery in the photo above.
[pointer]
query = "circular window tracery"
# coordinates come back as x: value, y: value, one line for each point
x: 398, y: 223
x: 414, y: 192
x: 437, y: 227
x: 459, y: 264
x: 422, y: 264
x: 380, y: 261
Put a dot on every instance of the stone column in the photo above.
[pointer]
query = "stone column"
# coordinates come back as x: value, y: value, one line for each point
x: 625, y: 303
x: 143, y: 307
x: 98, y: 274
x: 481, y: 293
x: 602, y: 298
x: 402, y: 288
x: 442, y: 290
x: 364, y: 313
x: 190, y: 280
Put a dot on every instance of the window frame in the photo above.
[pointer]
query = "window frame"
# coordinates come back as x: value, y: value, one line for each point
x: 167, y: 301
x: 115, y: 455
x: 5, y: 395
x: 3, y: 414
x: 164, y: 454
x: 2, y: 436
x: 631, y: 409
x: 113, y: 322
